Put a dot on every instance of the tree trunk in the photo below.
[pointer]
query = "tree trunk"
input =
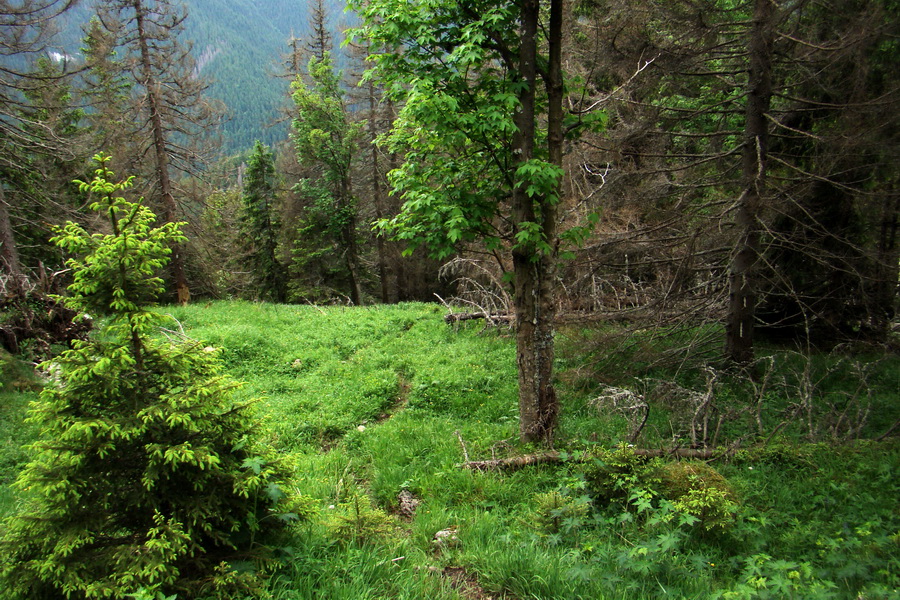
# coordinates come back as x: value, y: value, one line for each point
x: 376, y: 196
x: 169, y: 206
x: 351, y: 251
x: 743, y: 285
x: 887, y: 267
x: 9, y: 254
x: 533, y: 267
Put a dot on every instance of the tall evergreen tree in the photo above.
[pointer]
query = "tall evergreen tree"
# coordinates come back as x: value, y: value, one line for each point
x: 24, y: 32
x: 169, y: 114
x: 261, y: 225
x: 319, y: 43
x: 326, y: 138
x: 107, y: 88
x: 734, y: 160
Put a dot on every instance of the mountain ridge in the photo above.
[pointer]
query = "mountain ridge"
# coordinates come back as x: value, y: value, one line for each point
x: 239, y: 46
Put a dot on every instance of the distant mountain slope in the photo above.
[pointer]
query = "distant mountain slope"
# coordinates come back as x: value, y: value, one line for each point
x: 239, y: 45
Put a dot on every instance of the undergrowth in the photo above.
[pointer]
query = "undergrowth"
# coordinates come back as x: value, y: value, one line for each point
x: 377, y: 401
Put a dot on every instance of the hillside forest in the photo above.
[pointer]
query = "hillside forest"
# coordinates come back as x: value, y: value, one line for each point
x: 670, y: 226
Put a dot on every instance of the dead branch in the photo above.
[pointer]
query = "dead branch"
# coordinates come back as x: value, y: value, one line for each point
x: 490, y: 317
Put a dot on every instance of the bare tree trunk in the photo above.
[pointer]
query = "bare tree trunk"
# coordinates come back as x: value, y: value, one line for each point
x: 9, y: 254
x: 170, y: 207
x: 743, y: 286
x: 376, y: 196
x: 398, y: 263
x: 349, y: 234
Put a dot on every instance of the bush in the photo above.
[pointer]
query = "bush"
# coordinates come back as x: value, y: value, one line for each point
x: 358, y: 521
x: 697, y: 489
x: 145, y: 479
x: 692, y: 488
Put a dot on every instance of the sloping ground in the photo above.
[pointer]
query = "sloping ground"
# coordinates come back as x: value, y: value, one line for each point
x: 376, y: 406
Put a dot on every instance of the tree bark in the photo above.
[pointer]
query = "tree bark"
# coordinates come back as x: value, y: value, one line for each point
x: 9, y: 254
x: 169, y: 206
x: 533, y: 266
x: 377, y: 196
x: 351, y: 251
x: 887, y: 267
x: 743, y: 285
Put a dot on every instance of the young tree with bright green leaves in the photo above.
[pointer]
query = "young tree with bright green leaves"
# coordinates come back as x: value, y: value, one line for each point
x: 481, y: 131
x: 327, y: 138
x: 145, y: 477
x: 261, y: 224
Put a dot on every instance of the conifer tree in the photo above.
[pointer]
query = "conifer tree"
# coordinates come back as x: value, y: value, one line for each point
x: 169, y: 113
x: 145, y: 479
x: 327, y: 138
x: 24, y: 32
x: 261, y: 224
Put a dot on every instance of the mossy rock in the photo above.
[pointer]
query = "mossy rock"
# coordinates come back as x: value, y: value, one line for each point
x: 679, y: 478
x: 698, y: 489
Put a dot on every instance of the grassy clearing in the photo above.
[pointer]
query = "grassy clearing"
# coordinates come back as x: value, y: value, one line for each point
x: 371, y: 402
x: 17, y: 389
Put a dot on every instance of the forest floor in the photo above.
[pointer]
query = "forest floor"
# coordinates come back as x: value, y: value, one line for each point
x: 377, y: 408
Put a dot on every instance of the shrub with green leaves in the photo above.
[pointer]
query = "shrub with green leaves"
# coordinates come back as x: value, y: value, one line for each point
x: 358, y: 521
x: 697, y: 489
x: 555, y: 512
x: 691, y: 488
x: 145, y: 478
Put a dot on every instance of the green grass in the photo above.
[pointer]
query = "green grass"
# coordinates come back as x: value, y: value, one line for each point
x: 368, y: 402
x: 16, y: 392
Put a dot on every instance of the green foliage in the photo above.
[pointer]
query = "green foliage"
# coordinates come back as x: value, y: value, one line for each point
x: 689, y: 492
x: 359, y: 522
x: 322, y: 130
x: 15, y: 434
x: 411, y: 382
x: 261, y: 225
x: 116, y: 274
x: 15, y: 374
x: 696, y: 489
x: 455, y: 126
x: 766, y: 577
x: 145, y: 476
x: 555, y: 512
x: 614, y: 475
x: 326, y: 138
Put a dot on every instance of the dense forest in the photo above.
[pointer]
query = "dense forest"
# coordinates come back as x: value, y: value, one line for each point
x: 686, y: 210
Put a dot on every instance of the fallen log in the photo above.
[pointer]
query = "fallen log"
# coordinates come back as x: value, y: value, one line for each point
x: 564, y: 318
x: 491, y: 317
x: 527, y: 460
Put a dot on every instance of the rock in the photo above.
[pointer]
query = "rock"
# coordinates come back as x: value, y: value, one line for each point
x: 408, y: 504
x: 445, y: 536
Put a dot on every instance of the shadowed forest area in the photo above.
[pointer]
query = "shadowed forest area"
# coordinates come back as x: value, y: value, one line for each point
x: 479, y: 299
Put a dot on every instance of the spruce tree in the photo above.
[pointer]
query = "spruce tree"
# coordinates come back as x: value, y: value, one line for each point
x: 260, y: 224
x: 327, y: 138
x: 145, y: 479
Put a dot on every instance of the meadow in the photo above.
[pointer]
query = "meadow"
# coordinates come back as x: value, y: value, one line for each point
x: 376, y: 408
